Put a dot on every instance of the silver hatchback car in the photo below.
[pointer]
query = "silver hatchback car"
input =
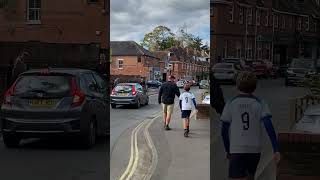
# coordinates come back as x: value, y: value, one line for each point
x: 54, y: 102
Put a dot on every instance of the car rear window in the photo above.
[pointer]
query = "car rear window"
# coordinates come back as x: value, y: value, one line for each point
x: 123, y: 88
x: 204, y: 81
x: 52, y: 85
x: 224, y: 66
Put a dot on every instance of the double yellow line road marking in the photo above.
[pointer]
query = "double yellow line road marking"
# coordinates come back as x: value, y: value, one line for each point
x: 134, y: 154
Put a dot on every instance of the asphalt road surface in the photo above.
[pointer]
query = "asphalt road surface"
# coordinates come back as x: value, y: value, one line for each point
x: 276, y: 95
x: 54, y: 159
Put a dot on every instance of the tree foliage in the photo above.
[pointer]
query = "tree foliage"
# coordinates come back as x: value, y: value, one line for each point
x: 162, y: 38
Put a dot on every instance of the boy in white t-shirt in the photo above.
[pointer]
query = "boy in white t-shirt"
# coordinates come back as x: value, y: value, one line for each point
x: 186, y: 100
x: 243, y: 118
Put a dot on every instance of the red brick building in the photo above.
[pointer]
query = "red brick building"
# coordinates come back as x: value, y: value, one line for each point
x: 184, y: 63
x: 269, y: 30
x: 55, y: 32
x: 132, y: 60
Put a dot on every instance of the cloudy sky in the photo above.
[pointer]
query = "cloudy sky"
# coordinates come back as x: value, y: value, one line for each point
x: 131, y: 19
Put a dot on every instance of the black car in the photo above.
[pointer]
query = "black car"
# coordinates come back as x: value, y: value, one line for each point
x: 298, y: 70
x: 55, y: 102
x: 129, y: 94
x: 153, y: 84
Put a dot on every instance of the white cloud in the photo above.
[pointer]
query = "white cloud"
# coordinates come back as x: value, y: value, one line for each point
x: 131, y: 19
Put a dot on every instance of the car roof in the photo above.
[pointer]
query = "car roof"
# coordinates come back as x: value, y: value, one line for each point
x: 71, y: 71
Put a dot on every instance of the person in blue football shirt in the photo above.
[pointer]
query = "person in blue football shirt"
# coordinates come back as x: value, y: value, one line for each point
x: 242, y: 121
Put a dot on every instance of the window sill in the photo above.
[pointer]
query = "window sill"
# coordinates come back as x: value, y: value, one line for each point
x: 33, y: 22
x: 120, y: 68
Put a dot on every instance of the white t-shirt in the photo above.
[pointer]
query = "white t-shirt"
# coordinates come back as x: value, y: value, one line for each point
x: 245, y: 113
x: 186, y: 98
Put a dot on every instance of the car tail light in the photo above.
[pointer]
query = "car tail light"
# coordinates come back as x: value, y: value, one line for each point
x: 113, y: 92
x: 8, y: 94
x: 78, y: 96
x: 134, y: 92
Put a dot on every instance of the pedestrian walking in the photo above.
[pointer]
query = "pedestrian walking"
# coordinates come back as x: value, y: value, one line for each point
x: 244, y: 116
x: 19, y: 66
x: 186, y: 100
x: 167, y: 93
x: 217, y: 100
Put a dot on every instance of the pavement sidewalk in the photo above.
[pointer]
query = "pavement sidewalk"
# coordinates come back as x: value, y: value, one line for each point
x: 188, y: 158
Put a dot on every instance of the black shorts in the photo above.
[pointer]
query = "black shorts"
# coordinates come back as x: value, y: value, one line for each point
x: 242, y: 165
x: 185, y: 113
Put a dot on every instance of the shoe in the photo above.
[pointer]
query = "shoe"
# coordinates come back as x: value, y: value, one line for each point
x: 168, y: 128
x: 186, y: 133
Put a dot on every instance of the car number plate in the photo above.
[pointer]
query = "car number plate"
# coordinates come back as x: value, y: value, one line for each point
x: 123, y: 94
x: 42, y: 102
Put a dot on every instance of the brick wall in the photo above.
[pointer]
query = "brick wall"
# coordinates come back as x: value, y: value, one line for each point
x: 132, y: 67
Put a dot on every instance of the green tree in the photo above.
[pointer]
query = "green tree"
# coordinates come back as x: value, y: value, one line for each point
x: 160, y: 38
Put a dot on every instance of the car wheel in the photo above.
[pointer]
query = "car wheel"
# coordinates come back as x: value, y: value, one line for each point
x: 11, y: 140
x: 137, y: 106
x: 114, y: 106
x: 90, y: 136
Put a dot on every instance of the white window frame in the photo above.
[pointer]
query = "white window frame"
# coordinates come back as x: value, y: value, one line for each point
x: 34, y: 21
x: 249, y: 16
x: 241, y: 12
x: 231, y: 12
x: 118, y: 63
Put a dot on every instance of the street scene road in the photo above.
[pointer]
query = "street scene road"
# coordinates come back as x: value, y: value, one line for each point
x: 53, y: 159
x: 277, y: 96
x: 159, y: 154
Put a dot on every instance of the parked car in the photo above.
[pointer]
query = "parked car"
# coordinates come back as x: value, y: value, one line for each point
x: 129, y: 94
x: 225, y: 72
x: 298, y: 70
x: 181, y: 83
x: 260, y: 69
x: 55, y: 102
x: 235, y: 61
x: 204, y: 84
x: 153, y: 84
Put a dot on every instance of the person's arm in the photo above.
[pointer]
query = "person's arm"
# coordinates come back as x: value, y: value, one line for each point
x: 225, y: 136
x: 271, y: 133
x: 180, y: 104
x: 177, y: 91
x: 160, y: 94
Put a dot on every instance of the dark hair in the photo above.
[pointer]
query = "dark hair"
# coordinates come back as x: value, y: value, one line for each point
x: 247, y: 82
x: 186, y: 87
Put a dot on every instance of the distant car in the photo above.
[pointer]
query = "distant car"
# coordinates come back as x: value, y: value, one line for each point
x: 55, y: 102
x: 260, y: 69
x: 181, y: 84
x: 153, y: 84
x: 129, y: 94
x: 204, y: 84
x: 235, y: 61
x: 298, y: 70
x: 206, y: 100
x: 225, y: 72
